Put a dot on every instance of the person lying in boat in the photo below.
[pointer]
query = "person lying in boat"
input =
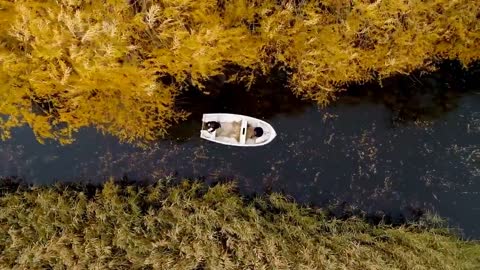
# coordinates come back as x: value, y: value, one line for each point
x: 258, y: 132
x: 212, y: 126
x: 253, y: 133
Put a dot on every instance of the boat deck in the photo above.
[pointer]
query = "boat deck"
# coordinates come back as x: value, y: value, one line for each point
x: 231, y: 132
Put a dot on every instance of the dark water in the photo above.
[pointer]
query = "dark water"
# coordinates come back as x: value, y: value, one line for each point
x: 413, y: 144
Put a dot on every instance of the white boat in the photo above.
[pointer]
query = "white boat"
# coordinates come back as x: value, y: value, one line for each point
x: 236, y: 130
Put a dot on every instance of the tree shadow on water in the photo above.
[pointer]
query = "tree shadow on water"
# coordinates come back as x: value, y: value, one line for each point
x: 266, y: 98
x: 419, y: 96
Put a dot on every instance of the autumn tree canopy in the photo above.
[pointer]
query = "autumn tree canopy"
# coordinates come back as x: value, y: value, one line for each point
x: 118, y: 65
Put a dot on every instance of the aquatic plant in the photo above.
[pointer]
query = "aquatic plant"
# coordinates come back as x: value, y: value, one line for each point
x: 118, y: 65
x: 190, y: 226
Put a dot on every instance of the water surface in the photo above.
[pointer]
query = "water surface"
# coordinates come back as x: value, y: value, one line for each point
x: 413, y: 144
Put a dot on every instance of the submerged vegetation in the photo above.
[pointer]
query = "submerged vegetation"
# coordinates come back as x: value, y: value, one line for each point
x: 189, y: 226
x: 118, y: 65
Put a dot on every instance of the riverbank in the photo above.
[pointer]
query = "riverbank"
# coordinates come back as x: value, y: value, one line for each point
x: 190, y: 226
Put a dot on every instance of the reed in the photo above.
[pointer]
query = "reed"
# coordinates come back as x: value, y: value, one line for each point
x: 191, y: 226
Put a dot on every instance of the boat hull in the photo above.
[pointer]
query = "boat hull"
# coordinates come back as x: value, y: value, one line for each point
x: 237, y: 130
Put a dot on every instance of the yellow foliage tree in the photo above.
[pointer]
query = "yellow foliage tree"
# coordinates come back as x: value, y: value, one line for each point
x: 72, y: 64
x: 68, y: 64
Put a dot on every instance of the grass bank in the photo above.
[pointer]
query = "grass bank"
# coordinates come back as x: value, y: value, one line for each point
x: 190, y: 226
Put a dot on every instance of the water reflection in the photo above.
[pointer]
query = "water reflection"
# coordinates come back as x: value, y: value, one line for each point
x: 412, y: 144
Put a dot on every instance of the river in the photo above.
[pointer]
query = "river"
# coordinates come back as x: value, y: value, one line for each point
x: 412, y: 144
